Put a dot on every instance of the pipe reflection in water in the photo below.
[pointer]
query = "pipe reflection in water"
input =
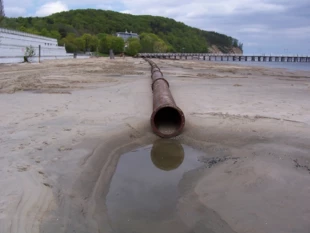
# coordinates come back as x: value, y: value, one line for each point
x: 144, y: 190
x: 167, y: 154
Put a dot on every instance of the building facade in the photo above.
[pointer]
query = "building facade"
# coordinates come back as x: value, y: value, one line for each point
x: 127, y: 35
x: 13, y: 45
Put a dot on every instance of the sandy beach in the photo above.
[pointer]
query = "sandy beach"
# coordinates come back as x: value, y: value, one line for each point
x: 64, y: 125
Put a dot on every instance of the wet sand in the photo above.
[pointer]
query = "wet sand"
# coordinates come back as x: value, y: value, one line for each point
x: 65, y: 124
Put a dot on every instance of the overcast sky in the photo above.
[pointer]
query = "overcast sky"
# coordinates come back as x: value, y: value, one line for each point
x: 264, y: 26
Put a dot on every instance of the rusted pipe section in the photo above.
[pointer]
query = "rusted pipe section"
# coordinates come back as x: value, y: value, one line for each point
x: 167, y: 119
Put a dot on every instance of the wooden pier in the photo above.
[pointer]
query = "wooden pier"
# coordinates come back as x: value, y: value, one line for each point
x: 226, y: 57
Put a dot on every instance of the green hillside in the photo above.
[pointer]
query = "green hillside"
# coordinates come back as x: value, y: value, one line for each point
x: 175, y: 35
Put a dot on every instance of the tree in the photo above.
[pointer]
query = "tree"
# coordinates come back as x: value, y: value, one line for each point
x: 87, y: 40
x: 71, y: 48
x: 147, y: 42
x: 80, y: 44
x: 2, y: 15
x: 111, y: 42
x: 151, y: 43
x: 118, y: 44
x: 29, y: 53
x: 105, y: 44
x: 44, y: 32
x: 235, y: 43
x: 55, y: 34
x: 160, y: 46
x: 69, y: 42
x: 70, y: 38
x: 133, y: 47
x: 93, y: 44
x: 101, y: 36
x: 50, y: 21
x: 63, y: 32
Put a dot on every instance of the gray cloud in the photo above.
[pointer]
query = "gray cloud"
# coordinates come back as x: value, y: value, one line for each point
x: 266, y: 32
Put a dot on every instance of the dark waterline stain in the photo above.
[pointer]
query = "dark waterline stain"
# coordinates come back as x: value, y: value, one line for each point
x: 145, y: 190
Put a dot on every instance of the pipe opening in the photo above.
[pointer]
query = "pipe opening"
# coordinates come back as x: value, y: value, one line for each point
x: 168, y: 121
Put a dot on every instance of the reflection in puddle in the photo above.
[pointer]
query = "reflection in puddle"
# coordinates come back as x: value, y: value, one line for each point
x: 143, y: 197
x: 167, y: 155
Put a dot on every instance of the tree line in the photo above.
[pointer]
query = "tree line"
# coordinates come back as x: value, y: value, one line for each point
x: 75, y: 27
x: 102, y: 43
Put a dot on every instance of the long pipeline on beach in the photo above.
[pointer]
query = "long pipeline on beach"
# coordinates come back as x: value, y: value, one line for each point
x: 167, y: 119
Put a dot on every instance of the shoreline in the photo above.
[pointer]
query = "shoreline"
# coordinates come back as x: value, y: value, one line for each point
x: 78, y: 116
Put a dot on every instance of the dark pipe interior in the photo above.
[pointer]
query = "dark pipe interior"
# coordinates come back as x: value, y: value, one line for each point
x: 168, y: 120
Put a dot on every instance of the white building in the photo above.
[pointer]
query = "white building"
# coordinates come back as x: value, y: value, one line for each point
x: 13, y: 46
x: 126, y: 35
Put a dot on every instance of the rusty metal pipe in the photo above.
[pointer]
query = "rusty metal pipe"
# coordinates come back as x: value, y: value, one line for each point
x: 167, y: 119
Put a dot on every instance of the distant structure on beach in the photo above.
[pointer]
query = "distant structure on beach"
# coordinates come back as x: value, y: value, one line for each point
x: 127, y: 35
x: 227, y: 57
x: 13, y: 45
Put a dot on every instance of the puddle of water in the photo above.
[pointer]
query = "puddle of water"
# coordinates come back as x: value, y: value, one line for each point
x: 144, y: 193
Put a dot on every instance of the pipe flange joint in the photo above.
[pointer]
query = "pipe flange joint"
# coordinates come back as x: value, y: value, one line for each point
x: 158, y: 80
